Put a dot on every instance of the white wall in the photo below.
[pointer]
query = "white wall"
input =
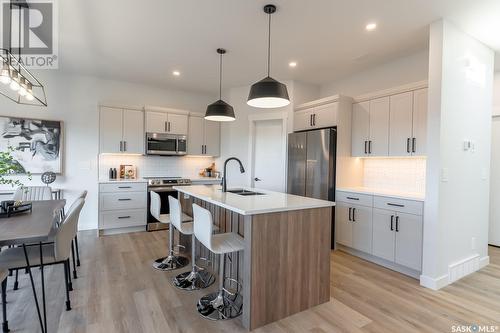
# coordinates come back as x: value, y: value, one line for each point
x: 74, y: 100
x: 412, y: 68
x: 457, y: 191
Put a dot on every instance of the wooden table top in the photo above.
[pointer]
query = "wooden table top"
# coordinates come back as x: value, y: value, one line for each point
x: 31, y: 227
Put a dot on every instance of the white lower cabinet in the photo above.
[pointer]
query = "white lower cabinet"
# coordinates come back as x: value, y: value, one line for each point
x: 122, y: 205
x: 393, y: 234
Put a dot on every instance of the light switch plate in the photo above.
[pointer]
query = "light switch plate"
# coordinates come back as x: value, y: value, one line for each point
x: 444, y: 174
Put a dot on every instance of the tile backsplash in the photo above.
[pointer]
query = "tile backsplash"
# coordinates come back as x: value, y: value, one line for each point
x: 155, y: 166
x: 395, y: 174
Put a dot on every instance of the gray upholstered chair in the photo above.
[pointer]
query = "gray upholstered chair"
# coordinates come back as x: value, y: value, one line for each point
x: 33, y: 193
x: 3, y: 280
x: 83, y: 196
x: 57, y: 252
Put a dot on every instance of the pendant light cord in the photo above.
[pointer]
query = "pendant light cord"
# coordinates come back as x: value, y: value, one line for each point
x: 220, y: 77
x: 269, y: 47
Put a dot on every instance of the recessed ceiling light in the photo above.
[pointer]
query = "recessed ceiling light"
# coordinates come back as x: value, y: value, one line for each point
x: 371, y: 26
x: 176, y: 73
x: 292, y: 64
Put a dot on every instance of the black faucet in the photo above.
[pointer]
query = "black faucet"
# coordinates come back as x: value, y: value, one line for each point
x: 224, y: 182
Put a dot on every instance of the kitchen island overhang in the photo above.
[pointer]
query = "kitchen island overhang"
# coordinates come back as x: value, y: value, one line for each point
x: 285, y: 266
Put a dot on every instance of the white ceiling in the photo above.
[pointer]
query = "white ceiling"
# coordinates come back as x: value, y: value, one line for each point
x: 144, y: 41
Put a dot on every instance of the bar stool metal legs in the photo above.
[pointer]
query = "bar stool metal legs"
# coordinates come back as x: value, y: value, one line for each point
x: 172, y: 261
x: 197, y: 278
x: 223, y: 304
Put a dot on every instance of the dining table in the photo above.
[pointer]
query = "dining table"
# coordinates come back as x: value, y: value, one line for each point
x: 33, y: 228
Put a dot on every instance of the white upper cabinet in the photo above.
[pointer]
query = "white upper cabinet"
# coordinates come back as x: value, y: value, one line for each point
x: 316, y: 117
x: 401, y: 120
x: 164, y: 122
x: 121, y: 131
x: 378, y: 144
x: 360, y: 128
x: 419, y: 144
x: 394, y: 125
x: 203, y: 137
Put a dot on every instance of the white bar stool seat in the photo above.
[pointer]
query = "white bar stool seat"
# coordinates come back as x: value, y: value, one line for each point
x: 197, y: 278
x: 172, y: 261
x: 222, y: 304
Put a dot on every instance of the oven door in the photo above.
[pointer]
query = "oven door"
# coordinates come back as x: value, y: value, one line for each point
x: 161, y: 144
x: 181, y: 145
x: 163, y: 192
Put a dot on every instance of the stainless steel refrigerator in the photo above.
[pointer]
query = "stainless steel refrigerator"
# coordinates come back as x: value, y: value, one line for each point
x: 311, y: 165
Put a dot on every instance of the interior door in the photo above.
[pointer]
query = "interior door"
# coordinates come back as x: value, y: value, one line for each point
x: 212, y: 138
x: 318, y: 164
x: 156, y: 122
x: 268, y: 151
x: 400, y: 124
x: 178, y: 123
x: 360, y: 128
x: 420, y: 100
x: 379, y: 127
x: 409, y: 241
x: 195, y: 136
x: 343, y: 226
x: 110, y: 130
x: 133, y: 131
x: 297, y: 163
x: 362, y: 228
x: 383, y: 234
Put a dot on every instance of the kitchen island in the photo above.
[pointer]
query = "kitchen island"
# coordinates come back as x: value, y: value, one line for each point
x: 285, y: 266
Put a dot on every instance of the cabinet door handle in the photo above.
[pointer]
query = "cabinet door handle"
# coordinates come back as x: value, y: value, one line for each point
x: 352, y: 198
x: 408, y: 145
x: 124, y: 217
x: 310, y: 120
x: 124, y: 145
x: 353, y: 215
x: 413, y: 145
x: 314, y: 119
x: 121, y: 145
x: 350, y: 209
x: 395, y: 205
x: 397, y: 223
x: 126, y: 199
x: 366, y: 152
x: 169, y: 126
x: 369, y: 146
x: 392, y: 222
x: 166, y: 129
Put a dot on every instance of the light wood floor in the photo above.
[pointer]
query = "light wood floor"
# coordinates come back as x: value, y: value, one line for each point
x: 118, y: 291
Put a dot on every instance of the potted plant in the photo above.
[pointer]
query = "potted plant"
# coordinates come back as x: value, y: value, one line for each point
x: 9, y: 167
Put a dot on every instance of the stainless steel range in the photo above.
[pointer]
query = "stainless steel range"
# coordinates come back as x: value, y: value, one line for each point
x: 164, y: 187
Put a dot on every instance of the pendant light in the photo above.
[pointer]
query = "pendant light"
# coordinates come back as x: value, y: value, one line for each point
x: 268, y: 93
x: 220, y: 110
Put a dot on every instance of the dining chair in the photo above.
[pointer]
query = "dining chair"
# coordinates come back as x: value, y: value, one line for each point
x: 57, y: 252
x: 3, y: 281
x: 33, y: 193
x: 83, y: 196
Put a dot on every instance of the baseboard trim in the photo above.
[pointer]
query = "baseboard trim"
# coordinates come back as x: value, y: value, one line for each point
x: 484, y: 261
x: 115, y: 231
x: 379, y: 261
x: 434, y: 283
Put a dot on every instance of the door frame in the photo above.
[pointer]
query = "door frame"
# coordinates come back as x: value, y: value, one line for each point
x: 252, y: 119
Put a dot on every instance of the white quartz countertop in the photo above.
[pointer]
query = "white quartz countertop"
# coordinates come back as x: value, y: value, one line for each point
x: 108, y: 181
x: 206, y: 180
x: 384, y: 193
x: 269, y: 202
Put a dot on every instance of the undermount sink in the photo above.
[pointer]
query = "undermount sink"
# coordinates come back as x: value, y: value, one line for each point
x: 241, y: 191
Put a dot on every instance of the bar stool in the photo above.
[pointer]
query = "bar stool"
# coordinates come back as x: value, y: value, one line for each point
x: 222, y: 304
x: 197, y: 278
x: 171, y: 261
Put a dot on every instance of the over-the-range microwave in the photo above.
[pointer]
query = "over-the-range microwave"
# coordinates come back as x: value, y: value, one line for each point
x: 166, y: 144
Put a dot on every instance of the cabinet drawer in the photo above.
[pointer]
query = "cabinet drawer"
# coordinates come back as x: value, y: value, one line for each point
x: 355, y: 198
x: 123, y: 218
x: 399, y: 205
x: 122, y: 187
x: 126, y: 200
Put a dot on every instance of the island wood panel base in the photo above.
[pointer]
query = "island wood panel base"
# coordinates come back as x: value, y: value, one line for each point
x: 288, y: 257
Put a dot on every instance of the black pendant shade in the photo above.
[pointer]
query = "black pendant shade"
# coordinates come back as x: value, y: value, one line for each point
x: 220, y: 110
x: 268, y: 93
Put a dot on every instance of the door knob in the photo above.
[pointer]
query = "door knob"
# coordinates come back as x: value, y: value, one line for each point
x: 257, y: 179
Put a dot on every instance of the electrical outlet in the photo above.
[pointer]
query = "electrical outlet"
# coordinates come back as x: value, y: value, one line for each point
x: 186, y: 196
